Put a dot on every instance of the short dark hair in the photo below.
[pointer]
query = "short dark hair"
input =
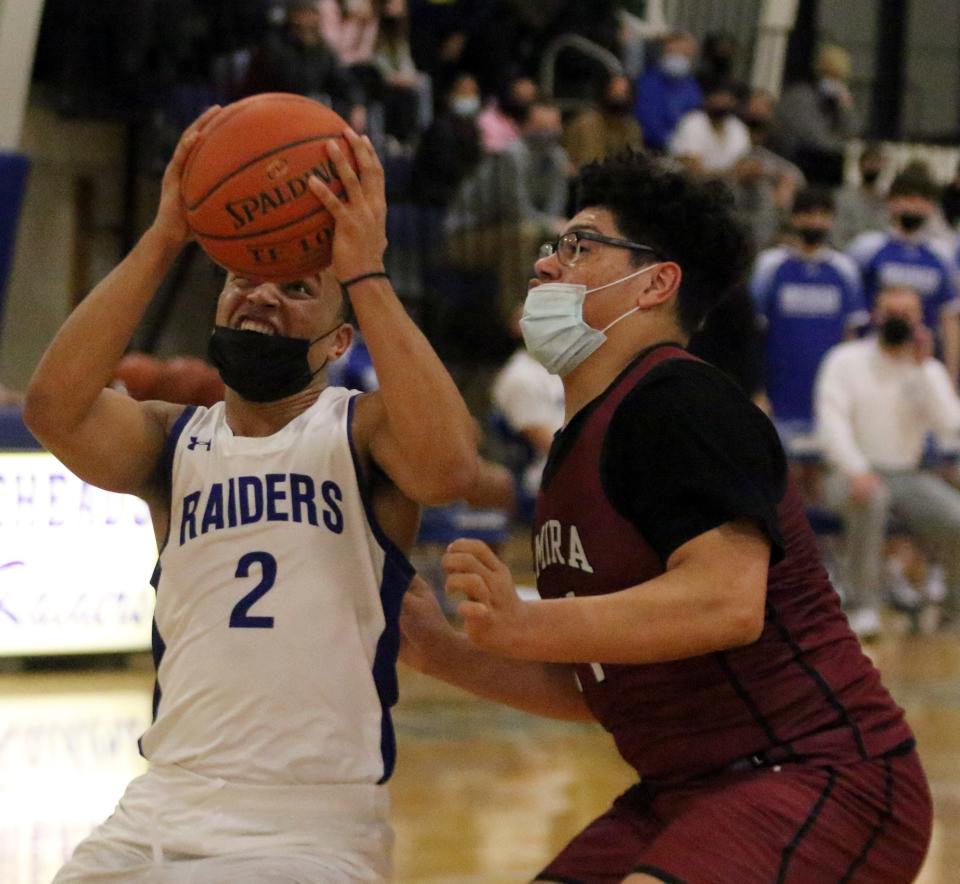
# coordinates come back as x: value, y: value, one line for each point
x: 720, y: 87
x: 813, y: 199
x: 686, y: 219
x: 915, y: 180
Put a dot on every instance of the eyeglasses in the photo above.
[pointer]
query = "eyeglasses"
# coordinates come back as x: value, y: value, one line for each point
x: 567, y: 247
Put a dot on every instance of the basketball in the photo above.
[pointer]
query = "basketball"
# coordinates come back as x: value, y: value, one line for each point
x: 244, y: 186
x: 188, y: 380
x: 140, y: 374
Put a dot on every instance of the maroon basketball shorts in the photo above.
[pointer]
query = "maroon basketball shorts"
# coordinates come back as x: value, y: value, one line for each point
x: 790, y: 823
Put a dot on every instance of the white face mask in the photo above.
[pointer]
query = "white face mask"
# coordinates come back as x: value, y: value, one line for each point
x: 465, y: 105
x: 676, y: 64
x: 553, y: 327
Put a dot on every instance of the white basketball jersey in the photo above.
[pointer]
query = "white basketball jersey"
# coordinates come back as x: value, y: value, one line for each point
x: 275, y: 632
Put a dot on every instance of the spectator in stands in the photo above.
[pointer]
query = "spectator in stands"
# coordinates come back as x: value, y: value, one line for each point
x: 605, y: 128
x: 500, y: 122
x: 816, y: 119
x: 350, y: 28
x: 903, y: 256
x: 810, y: 299
x: 862, y: 205
x: 718, y: 59
x: 407, y: 94
x: 450, y: 146
x: 668, y: 90
x: 877, y: 399
x: 438, y: 36
x: 528, y: 402
x: 546, y: 165
x: 764, y: 183
x: 936, y: 231
x: 950, y: 200
x: 298, y: 59
x: 512, y: 202
x: 450, y: 36
x: 711, y: 141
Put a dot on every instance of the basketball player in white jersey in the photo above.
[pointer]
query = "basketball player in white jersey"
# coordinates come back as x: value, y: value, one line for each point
x: 281, y: 516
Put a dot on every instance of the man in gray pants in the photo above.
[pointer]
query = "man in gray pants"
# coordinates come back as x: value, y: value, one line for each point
x: 876, y: 402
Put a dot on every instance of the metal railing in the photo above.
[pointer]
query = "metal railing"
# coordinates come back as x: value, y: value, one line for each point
x: 567, y: 42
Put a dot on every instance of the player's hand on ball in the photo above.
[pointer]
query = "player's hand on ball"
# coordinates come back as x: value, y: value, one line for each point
x: 170, y: 220
x: 359, y: 233
x: 493, y: 614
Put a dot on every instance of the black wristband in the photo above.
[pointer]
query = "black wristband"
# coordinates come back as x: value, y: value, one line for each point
x: 376, y: 274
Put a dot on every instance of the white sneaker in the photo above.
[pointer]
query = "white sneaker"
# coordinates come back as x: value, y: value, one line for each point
x: 865, y: 622
x: 900, y: 593
x: 903, y: 596
x: 936, y: 588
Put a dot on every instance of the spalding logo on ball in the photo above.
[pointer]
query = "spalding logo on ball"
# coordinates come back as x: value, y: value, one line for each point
x: 245, y: 192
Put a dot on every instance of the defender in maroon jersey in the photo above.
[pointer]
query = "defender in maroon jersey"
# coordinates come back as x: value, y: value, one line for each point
x: 683, y: 605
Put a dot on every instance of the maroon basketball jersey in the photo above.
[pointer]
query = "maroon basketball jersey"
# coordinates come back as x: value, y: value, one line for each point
x: 803, y: 690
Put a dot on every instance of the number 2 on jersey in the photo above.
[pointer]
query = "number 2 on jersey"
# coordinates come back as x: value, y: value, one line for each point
x: 239, y: 616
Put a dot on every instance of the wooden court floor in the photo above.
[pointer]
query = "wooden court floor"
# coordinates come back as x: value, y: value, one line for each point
x: 482, y: 794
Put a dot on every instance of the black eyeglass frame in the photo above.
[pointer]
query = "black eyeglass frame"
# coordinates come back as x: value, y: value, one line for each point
x: 593, y: 237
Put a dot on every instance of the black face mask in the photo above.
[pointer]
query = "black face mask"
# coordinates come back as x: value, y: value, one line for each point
x: 812, y: 236
x: 718, y: 114
x: 869, y: 176
x: 515, y: 109
x: 910, y: 222
x: 895, y: 330
x: 617, y: 106
x: 721, y: 66
x: 262, y: 368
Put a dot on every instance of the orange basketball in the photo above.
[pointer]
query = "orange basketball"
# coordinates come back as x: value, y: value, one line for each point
x: 140, y: 374
x: 245, y: 192
x: 187, y: 380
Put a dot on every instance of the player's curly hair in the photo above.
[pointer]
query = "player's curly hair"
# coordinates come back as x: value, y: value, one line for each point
x: 687, y: 220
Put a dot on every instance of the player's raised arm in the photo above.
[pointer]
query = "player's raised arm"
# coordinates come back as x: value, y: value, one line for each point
x: 421, y: 431
x: 107, y: 438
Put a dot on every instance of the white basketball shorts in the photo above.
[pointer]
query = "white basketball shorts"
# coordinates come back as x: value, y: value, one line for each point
x: 176, y: 827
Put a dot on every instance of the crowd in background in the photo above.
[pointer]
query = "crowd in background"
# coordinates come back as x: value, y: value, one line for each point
x: 848, y: 333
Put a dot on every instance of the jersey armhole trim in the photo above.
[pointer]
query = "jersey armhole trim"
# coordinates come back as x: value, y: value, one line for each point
x: 388, y: 546
x: 167, y: 457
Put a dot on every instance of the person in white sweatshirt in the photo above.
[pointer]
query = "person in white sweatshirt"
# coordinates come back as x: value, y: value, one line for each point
x: 877, y: 400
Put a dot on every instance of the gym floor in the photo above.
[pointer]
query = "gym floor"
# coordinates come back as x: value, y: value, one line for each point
x: 481, y: 793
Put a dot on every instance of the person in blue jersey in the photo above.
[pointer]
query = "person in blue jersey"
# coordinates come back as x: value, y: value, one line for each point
x: 809, y: 298
x: 668, y: 90
x: 354, y: 370
x: 282, y: 515
x: 906, y: 256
